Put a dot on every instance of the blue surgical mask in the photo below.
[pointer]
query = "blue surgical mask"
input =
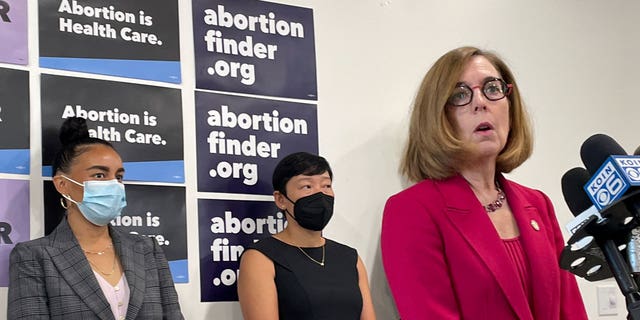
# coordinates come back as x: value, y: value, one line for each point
x: 102, y: 201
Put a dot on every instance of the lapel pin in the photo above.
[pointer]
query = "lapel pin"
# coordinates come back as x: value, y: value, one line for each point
x: 534, y: 225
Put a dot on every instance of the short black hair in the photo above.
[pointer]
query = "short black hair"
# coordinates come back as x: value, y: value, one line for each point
x: 296, y: 164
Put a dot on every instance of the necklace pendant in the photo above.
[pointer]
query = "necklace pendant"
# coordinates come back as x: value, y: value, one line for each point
x: 320, y: 263
x: 496, y: 204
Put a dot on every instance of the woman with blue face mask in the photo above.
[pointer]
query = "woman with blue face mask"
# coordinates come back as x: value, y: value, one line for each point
x: 297, y: 273
x: 87, y: 269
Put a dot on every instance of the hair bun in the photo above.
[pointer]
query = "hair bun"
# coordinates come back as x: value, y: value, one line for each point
x: 74, y: 130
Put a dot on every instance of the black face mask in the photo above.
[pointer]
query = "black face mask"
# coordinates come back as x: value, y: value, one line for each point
x: 313, y: 212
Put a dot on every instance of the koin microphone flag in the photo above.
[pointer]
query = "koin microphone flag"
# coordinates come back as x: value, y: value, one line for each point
x: 597, y: 233
x: 593, y: 251
x: 582, y: 256
x: 616, y: 171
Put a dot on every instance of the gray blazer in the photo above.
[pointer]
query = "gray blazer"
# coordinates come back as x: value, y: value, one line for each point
x: 50, y: 278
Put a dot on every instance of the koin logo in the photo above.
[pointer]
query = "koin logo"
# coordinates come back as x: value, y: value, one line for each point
x: 606, y: 186
x: 632, y: 173
x: 631, y: 167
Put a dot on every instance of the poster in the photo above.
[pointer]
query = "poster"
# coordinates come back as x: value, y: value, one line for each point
x: 144, y: 123
x: 240, y: 140
x: 226, y: 227
x: 14, y: 121
x: 14, y: 221
x: 133, y: 39
x: 14, y: 32
x: 255, y: 47
x: 266, y: 50
x: 154, y: 211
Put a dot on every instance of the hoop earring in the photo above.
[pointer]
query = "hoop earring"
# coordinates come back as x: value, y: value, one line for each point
x: 63, y: 203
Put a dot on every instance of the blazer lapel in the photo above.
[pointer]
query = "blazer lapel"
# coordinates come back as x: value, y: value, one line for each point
x: 533, y: 234
x: 73, y: 267
x: 469, y: 217
x: 131, y: 255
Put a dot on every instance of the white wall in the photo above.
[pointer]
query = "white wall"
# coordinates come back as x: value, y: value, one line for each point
x: 575, y: 61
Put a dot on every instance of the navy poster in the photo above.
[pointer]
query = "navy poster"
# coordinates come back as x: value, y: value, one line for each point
x: 255, y: 47
x: 144, y: 123
x: 226, y: 227
x: 240, y: 140
x: 134, y: 39
x: 14, y: 121
x: 153, y: 211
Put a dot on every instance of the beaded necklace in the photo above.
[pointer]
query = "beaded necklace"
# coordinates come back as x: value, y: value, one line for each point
x: 496, y: 204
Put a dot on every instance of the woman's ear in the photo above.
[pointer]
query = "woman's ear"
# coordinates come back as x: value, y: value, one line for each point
x: 279, y: 199
x: 61, y: 184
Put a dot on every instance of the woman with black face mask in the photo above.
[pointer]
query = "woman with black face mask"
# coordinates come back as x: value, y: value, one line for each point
x: 297, y: 273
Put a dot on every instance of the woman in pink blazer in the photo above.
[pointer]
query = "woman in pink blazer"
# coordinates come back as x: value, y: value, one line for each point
x: 465, y: 242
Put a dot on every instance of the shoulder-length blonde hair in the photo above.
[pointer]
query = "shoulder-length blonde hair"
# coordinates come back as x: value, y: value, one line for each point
x: 433, y: 151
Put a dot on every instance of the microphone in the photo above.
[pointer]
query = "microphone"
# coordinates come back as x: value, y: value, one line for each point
x: 596, y: 149
x: 609, y: 189
x: 613, y: 171
x: 612, y: 175
x: 582, y: 256
x: 578, y: 204
x: 633, y: 251
x: 633, y: 246
x: 598, y: 257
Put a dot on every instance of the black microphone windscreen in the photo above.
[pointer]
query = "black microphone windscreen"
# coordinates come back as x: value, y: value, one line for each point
x: 596, y: 149
x: 573, y: 182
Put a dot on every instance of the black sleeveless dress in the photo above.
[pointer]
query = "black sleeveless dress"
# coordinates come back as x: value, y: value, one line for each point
x: 309, y: 291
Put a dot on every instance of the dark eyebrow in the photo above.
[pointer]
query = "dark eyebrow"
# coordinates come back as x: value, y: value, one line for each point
x: 306, y: 178
x: 105, y: 169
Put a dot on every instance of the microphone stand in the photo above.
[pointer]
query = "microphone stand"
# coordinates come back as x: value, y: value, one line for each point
x: 623, y: 277
x: 601, y: 259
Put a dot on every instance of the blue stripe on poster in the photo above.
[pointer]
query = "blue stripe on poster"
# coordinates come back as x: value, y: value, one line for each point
x: 165, y: 71
x: 14, y: 161
x: 151, y: 171
x: 155, y: 171
x: 179, y: 271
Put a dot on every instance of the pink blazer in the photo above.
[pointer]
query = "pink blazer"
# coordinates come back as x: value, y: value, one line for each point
x: 444, y: 259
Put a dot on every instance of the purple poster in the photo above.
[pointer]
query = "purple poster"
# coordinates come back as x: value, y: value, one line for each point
x: 13, y: 32
x: 240, y: 140
x: 226, y: 227
x: 14, y: 221
x: 255, y: 47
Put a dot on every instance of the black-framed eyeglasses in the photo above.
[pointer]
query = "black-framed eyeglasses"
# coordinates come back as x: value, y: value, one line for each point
x: 493, y: 89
